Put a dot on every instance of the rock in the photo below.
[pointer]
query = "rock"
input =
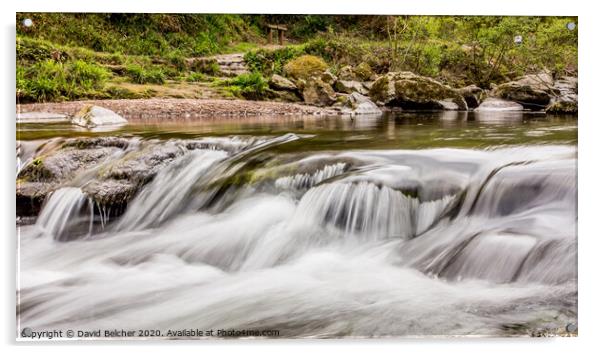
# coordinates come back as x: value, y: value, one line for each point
x: 559, y: 106
x: 410, y: 91
x: 278, y: 82
x: 318, y: 93
x: 497, y: 105
x: 364, y: 72
x: 328, y: 78
x: 347, y: 73
x: 92, y: 116
x: 114, y: 175
x: 566, y: 99
x: 41, y: 117
x: 449, y: 105
x: 358, y: 104
x: 345, y: 86
x: 531, y: 91
x: 473, y: 95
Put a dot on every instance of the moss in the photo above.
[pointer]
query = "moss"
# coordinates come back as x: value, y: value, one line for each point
x: 363, y: 71
x: 36, y: 171
x: 305, y: 67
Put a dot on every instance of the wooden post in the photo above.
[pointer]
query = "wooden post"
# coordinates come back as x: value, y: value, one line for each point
x: 269, y: 36
x: 281, y: 36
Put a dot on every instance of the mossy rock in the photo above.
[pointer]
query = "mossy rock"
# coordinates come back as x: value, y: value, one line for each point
x: 363, y: 71
x: 411, y: 91
x: 526, y: 95
x: 563, y: 107
x: 304, y: 67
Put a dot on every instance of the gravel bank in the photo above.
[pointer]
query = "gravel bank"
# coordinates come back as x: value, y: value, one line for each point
x: 173, y: 109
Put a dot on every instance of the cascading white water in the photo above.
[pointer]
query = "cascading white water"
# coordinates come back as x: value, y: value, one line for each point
x: 63, y: 209
x: 306, y: 180
x: 429, y: 242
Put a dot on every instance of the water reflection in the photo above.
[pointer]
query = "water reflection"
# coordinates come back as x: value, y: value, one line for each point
x: 401, y: 130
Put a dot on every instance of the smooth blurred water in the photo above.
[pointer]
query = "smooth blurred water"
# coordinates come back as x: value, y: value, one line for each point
x: 395, y: 226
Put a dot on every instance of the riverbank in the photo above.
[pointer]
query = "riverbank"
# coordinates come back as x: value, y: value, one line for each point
x: 135, y: 109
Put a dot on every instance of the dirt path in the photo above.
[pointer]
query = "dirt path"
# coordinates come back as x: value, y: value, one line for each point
x: 172, y: 108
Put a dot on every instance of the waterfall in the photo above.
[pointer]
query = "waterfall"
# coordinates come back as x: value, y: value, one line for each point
x: 395, y: 242
x: 302, y: 181
x: 170, y: 192
x: 63, y: 212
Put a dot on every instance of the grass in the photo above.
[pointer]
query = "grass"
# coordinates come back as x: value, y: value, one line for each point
x: 250, y: 86
x: 49, y: 80
x: 141, y: 75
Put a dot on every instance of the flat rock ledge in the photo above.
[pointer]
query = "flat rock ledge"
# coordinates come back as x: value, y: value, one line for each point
x: 176, y: 109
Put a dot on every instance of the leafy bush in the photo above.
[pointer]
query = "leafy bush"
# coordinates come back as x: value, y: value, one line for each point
x: 270, y: 62
x: 141, y: 75
x: 250, y: 86
x: 305, y: 66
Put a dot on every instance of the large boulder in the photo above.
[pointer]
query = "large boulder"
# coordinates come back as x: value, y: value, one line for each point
x: 531, y: 91
x: 566, y: 99
x: 364, y: 72
x: 410, y: 91
x: 493, y: 104
x: 345, y: 86
x: 278, y: 82
x: 92, y: 116
x: 318, y: 93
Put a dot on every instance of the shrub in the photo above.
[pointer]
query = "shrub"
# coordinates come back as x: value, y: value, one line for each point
x: 87, y: 75
x: 251, y: 86
x: 141, y: 75
x: 305, y: 66
x: 196, y: 77
x: 270, y: 62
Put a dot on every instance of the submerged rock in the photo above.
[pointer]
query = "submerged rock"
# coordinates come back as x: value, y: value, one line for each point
x: 498, y: 105
x: 410, y: 91
x: 92, y: 116
x: 109, y: 170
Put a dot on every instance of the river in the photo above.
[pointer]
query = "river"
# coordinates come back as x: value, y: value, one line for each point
x: 429, y: 224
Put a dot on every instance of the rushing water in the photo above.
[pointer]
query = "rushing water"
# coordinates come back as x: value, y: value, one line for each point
x: 323, y: 232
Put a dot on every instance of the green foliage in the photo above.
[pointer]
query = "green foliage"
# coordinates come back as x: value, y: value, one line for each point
x: 305, y: 66
x: 140, y: 34
x: 250, y: 86
x: 141, y: 75
x: 270, y: 62
x: 50, y: 80
x: 197, y: 77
